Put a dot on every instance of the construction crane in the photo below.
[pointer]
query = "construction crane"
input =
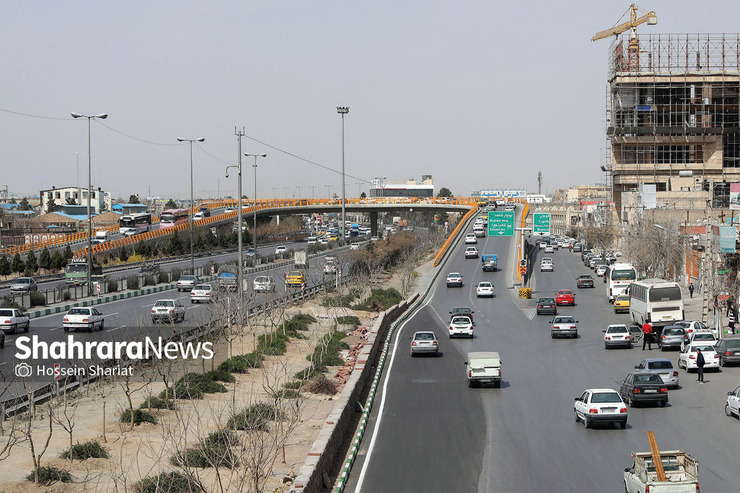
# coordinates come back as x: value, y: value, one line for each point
x: 650, y: 17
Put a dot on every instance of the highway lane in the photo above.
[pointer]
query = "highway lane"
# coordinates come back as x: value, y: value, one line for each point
x: 433, y: 433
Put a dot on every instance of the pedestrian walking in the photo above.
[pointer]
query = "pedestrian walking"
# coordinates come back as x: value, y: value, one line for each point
x: 647, y: 336
x: 699, y: 366
x: 691, y: 290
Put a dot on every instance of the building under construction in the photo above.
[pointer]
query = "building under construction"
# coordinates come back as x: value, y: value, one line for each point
x: 673, y: 114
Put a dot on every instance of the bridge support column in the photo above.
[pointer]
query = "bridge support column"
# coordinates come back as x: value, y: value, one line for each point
x: 373, y: 224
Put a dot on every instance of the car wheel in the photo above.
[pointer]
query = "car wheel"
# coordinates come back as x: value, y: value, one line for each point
x: 586, y: 422
x: 728, y: 412
x: 2, y: 341
x: 623, y: 425
x: 721, y: 362
x: 663, y: 403
x: 575, y: 414
x: 15, y: 329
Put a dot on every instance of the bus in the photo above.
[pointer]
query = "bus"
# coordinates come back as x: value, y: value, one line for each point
x: 172, y: 217
x: 76, y: 272
x: 617, y: 278
x: 656, y: 301
x: 133, y: 224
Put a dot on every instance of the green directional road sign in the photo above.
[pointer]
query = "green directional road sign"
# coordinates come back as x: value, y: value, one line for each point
x: 501, y: 223
x: 541, y: 223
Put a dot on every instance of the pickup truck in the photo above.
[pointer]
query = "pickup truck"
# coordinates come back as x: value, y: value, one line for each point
x: 227, y: 277
x: 489, y: 262
x: 483, y: 367
x: 681, y: 473
x: 330, y: 265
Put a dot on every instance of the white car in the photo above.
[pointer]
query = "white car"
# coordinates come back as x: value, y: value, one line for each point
x: 280, y: 250
x: 186, y: 282
x: 549, y: 249
x: 14, y: 320
x: 617, y: 335
x: 354, y: 246
x: 169, y: 310
x: 471, y: 252
x: 470, y: 239
x: 454, y: 279
x: 687, y: 356
x: 546, y: 264
x: 543, y: 244
x: 733, y: 403
x: 696, y: 326
x: 703, y: 337
x: 563, y: 326
x: 461, y: 326
x: 600, y: 270
x: 202, y: 293
x: 263, y: 284
x: 374, y: 238
x: 600, y: 406
x: 323, y: 240
x: 484, y: 288
x: 83, y: 318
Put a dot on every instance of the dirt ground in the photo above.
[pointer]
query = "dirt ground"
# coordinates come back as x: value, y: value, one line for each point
x: 145, y: 450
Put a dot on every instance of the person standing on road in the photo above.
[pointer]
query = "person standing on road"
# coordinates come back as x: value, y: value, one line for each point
x: 647, y: 336
x: 691, y: 290
x: 699, y: 366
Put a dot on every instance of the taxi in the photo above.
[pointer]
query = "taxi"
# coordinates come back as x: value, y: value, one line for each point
x: 295, y: 278
x: 622, y: 303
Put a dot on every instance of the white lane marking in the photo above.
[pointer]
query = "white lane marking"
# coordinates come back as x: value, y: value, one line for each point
x: 110, y: 314
x: 382, y: 401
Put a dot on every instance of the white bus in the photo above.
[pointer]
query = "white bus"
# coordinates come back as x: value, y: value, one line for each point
x: 656, y: 301
x: 617, y: 278
x: 133, y: 224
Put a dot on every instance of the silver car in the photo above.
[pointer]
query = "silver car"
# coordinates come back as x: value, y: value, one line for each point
x: 672, y: 336
x: 202, y: 293
x: 424, y: 342
x: 564, y: 326
x: 24, y: 285
x: 662, y: 367
x: 170, y: 310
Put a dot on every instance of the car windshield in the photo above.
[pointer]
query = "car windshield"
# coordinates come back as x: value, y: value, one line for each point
x: 648, y: 379
x: 673, y: 332
x: 165, y: 303
x: 565, y: 291
x: 623, y: 298
x: 484, y: 285
x: 424, y: 336
x: 205, y: 287
x: 605, y: 397
x: 6, y: 313
x: 585, y: 277
x: 704, y: 337
x: 23, y: 281
x: 454, y: 275
x: 703, y: 347
x: 616, y: 329
x: 544, y: 301
x: 733, y: 343
x: 187, y: 278
x: 261, y: 279
x: 564, y: 320
x: 79, y: 311
x: 660, y: 365
x: 461, y: 320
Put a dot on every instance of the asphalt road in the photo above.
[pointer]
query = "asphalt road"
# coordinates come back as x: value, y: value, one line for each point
x: 129, y: 319
x: 429, y: 432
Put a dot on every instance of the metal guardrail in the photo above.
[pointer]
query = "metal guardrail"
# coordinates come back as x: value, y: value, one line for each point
x: 20, y: 403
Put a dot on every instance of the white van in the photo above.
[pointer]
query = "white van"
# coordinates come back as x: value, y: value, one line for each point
x: 101, y: 237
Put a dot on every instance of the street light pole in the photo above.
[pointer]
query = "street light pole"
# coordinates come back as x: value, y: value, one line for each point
x: 192, y: 202
x: 343, y: 110
x: 254, y: 207
x: 101, y: 116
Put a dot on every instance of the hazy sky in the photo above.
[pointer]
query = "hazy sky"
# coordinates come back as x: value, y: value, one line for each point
x: 479, y: 94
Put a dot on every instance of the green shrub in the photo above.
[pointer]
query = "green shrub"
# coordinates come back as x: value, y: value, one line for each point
x: 253, y: 418
x: 167, y: 482
x: 214, y: 451
x: 221, y: 376
x: 150, y: 280
x: 193, y: 386
x: 348, y: 320
x: 286, y: 394
x: 49, y: 475
x: 242, y: 363
x: 37, y: 299
x: 157, y: 403
x: 380, y: 300
x: 272, y: 344
x: 112, y: 285
x: 140, y: 416
x: 310, y: 372
x: 293, y: 385
x: 132, y: 282
x: 326, y: 352
x: 83, y: 451
x: 303, y: 319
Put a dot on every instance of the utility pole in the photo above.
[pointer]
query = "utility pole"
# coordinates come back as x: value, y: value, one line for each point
x: 539, y: 182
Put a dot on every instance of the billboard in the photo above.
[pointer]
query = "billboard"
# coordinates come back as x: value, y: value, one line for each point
x: 735, y: 196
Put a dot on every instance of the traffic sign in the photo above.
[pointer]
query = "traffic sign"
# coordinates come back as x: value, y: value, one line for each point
x: 501, y: 223
x: 541, y: 223
x: 522, y: 269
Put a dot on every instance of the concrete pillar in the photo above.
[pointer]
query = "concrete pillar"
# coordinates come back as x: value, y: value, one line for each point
x: 373, y: 224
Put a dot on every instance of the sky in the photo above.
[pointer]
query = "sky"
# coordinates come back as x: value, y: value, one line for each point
x: 479, y: 94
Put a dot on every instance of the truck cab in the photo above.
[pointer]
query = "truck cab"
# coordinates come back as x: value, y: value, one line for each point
x: 489, y: 263
x: 483, y: 367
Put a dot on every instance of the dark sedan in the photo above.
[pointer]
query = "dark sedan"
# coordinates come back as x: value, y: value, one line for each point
x: 585, y: 281
x: 728, y: 349
x: 643, y: 387
x: 547, y: 305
